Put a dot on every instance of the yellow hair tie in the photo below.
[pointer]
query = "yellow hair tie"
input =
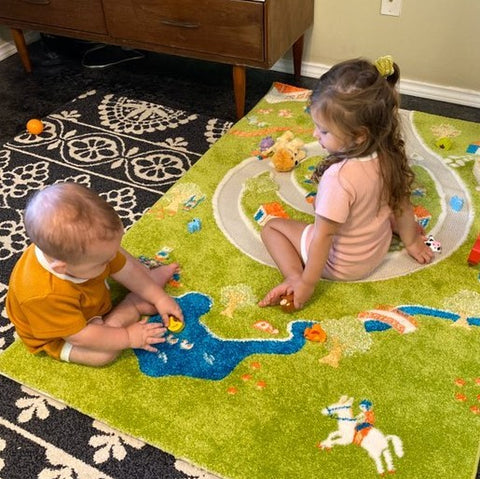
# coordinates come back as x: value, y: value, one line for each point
x: 384, y: 65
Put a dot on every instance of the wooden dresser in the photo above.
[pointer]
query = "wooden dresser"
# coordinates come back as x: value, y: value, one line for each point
x: 243, y: 33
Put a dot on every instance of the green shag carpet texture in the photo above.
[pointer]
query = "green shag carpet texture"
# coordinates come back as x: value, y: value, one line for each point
x: 241, y: 392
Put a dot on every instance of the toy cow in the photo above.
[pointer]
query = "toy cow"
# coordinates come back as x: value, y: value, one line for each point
x: 433, y: 244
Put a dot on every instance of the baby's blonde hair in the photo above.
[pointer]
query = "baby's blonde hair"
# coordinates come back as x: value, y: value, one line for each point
x: 64, y: 219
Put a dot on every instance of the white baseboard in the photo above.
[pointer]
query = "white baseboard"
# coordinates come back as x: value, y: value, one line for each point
x: 315, y: 70
x: 8, y: 48
x: 408, y: 87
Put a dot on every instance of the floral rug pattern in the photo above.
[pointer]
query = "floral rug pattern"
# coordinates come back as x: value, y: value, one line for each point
x: 131, y: 152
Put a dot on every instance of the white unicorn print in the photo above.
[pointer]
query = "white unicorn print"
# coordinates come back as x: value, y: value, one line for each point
x: 374, y: 442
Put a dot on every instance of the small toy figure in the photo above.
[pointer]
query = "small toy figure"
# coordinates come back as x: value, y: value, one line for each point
x: 175, y: 325
x: 194, y: 225
x: 265, y: 144
x: 433, y: 244
x: 34, y: 126
x: 310, y: 197
x: 286, y: 303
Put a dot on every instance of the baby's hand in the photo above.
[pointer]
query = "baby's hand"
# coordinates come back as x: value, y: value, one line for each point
x: 420, y: 251
x: 166, y: 307
x: 142, y: 335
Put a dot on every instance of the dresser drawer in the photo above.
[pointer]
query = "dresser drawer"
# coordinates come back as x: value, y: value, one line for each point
x: 83, y: 15
x: 229, y: 28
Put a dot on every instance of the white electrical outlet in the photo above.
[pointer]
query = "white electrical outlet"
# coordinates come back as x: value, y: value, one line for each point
x: 391, y: 7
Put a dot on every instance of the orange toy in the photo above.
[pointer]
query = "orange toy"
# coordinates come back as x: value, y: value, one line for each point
x: 34, y: 126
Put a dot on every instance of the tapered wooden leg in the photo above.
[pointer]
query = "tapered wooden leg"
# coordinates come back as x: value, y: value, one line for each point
x: 239, y: 88
x: 19, y: 40
x: 297, y: 50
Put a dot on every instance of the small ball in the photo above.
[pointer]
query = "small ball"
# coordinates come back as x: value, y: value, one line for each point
x: 34, y: 126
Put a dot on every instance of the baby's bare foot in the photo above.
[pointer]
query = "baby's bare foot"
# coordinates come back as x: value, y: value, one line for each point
x: 163, y: 274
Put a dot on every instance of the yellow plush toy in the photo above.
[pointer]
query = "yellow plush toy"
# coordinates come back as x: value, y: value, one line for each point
x: 287, y: 152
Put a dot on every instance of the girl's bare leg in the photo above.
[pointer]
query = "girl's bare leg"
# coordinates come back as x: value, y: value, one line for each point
x: 133, y: 306
x: 282, y: 240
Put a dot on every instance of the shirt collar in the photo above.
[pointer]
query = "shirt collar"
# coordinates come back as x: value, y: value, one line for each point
x: 44, y: 262
x: 372, y: 156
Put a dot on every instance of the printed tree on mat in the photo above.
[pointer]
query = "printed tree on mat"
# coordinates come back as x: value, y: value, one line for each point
x: 345, y: 337
x: 465, y: 303
x: 236, y: 296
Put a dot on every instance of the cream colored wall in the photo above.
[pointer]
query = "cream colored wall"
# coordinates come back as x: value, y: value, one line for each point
x: 433, y: 41
x: 436, y: 42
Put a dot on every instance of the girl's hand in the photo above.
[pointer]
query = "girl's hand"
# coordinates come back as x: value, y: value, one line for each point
x: 302, y: 292
x: 419, y: 251
x: 273, y: 296
x: 142, y: 335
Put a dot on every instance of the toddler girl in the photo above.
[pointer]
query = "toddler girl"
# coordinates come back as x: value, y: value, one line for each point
x: 364, y: 185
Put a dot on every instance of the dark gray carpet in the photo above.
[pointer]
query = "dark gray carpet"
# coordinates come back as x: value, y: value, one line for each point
x: 130, y: 151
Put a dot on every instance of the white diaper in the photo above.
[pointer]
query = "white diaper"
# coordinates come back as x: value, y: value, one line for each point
x: 305, y: 242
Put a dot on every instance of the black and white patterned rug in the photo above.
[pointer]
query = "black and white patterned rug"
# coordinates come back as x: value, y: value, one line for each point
x: 130, y: 152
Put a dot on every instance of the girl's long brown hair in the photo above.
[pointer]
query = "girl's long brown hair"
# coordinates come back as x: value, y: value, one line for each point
x: 360, y: 103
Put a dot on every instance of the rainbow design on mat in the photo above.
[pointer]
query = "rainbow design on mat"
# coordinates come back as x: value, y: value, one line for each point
x: 401, y: 318
x: 386, y: 318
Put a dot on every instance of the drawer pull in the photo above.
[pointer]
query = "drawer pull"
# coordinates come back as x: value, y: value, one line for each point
x: 178, y: 23
x: 38, y: 2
